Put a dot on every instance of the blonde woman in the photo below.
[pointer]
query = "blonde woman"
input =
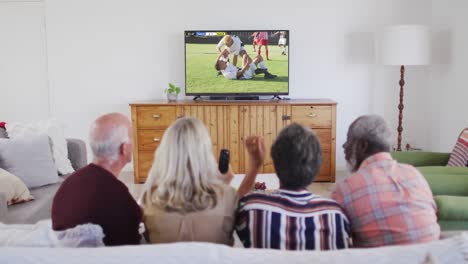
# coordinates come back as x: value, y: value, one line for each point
x: 185, y: 198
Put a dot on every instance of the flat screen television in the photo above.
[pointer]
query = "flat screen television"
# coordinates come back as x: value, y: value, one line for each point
x: 237, y: 63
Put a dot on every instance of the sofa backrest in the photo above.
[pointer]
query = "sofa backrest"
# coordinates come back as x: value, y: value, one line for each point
x: 3, y: 206
x: 3, y: 133
x: 450, y: 250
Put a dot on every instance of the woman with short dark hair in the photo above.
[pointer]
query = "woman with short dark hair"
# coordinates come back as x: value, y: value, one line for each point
x: 292, y: 217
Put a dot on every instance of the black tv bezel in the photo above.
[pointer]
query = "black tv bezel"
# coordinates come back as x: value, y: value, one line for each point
x: 232, y: 94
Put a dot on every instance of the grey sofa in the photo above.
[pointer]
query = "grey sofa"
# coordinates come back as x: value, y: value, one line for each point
x: 40, y: 208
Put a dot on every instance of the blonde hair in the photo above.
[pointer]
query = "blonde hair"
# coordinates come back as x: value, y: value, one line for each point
x: 184, y: 171
x: 227, y: 38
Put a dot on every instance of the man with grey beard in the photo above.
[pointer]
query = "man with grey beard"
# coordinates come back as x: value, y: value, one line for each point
x: 386, y: 202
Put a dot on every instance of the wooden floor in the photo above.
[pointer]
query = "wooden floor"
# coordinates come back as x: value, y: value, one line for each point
x: 320, y: 188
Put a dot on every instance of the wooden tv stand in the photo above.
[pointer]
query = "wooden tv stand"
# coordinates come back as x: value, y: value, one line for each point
x: 229, y: 123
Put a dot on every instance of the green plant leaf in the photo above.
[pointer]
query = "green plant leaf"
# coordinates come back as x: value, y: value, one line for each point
x: 172, y: 85
x: 177, y: 90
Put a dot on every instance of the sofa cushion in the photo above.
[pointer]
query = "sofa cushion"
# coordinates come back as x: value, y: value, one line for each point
x: 421, y: 158
x: 55, y: 131
x: 451, y: 225
x: 30, y: 159
x: 34, y: 211
x: 14, y: 189
x: 448, y: 207
x: 445, y: 180
x: 459, y: 156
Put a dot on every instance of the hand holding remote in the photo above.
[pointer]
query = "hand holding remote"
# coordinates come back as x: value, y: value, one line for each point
x: 224, y: 168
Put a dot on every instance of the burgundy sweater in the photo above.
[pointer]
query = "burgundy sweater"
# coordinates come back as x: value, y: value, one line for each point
x: 94, y: 195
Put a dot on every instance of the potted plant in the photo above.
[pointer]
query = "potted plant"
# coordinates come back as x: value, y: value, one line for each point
x: 172, y: 92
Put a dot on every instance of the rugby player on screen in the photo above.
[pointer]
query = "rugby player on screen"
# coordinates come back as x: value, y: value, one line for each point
x: 262, y: 40
x: 254, y: 41
x: 234, y: 46
x: 248, y: 70
x: 282, y: 40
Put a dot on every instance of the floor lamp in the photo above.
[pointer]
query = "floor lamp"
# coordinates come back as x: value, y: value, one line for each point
x: 404, y: 45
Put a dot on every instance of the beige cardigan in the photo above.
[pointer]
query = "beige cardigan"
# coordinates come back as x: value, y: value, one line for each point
x: 214, y: 225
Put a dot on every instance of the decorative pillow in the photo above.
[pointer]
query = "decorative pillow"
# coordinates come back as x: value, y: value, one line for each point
x: 36, y: 235
x: 30, y: 159
x: 41, y: 234
x: 54, y: 131
x: 14, y: 188
x: 459, y: 156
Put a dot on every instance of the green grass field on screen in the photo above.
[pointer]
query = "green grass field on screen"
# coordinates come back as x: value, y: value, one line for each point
x: 202, y: 77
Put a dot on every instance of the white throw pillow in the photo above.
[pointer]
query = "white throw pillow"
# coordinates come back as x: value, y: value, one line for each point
x: 41, y: 234
x: 37, y: 235
x: 55, y: 132
x: 15, y: 190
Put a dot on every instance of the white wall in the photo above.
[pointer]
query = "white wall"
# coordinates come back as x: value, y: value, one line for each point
x: 103, y: 54
x: 386, y: 90
x: 24, y: 93
x: 447, y: 110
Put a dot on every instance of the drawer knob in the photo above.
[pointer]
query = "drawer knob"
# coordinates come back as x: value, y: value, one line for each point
x: 156, y: 116
x: 312, y: 115
x: 156, y: 139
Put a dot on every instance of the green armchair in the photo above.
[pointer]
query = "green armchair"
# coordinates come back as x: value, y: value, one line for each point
x: 449, y: 186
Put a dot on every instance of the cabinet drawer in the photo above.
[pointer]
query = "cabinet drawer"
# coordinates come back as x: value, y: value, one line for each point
x: 313, y: 116
x: 145, y: 161
x: 155, y: 116
x: 149, y: 139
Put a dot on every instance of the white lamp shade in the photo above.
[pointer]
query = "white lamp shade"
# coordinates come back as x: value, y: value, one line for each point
x: 405, y: 45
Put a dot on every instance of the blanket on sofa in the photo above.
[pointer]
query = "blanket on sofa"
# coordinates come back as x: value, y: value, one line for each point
x: 452, y: 250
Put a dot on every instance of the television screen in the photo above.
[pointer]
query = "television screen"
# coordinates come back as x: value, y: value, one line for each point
x: 237, y: 62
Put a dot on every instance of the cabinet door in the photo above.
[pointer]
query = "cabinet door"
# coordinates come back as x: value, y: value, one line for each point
x: 222, y: 125
x: 266, y: 121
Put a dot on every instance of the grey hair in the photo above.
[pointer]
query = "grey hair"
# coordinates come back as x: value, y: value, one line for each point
x: 297, y: 156
x: 108, y: 147
x: 374, y: 130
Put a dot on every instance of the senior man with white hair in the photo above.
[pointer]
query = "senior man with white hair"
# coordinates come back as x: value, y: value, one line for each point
x: 387, y: 203
x: 93, y: 194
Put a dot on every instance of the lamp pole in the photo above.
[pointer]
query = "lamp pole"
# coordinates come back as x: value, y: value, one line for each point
x: 401, y: 106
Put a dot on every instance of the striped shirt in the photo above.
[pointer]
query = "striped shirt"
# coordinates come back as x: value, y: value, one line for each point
x: 388, y: 203
x: 262, y: 35
x: 293, y: 220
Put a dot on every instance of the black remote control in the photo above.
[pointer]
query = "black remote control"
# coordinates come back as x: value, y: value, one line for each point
x: 223, y: 163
